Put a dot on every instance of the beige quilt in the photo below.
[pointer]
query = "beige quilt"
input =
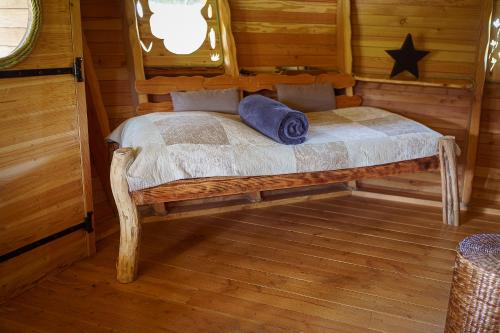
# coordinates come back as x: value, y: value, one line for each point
x: 180, y: 145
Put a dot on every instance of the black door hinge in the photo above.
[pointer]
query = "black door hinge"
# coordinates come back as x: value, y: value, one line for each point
x: 87, y: 222
x: 76, y: 70
x: 86, y: 225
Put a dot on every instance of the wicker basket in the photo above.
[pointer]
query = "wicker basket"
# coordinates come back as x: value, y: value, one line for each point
x: 475, y: 292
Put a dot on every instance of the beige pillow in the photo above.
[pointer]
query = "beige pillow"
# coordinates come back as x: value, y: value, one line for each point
x: 307, y: 97
x: 221, y: 100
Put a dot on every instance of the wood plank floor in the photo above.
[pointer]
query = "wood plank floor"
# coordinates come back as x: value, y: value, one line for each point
x: 339, y: 265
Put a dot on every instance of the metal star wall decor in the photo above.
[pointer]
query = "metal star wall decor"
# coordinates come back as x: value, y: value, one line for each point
x: 406, y: 58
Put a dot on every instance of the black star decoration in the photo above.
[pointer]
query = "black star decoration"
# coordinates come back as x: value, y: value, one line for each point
x: 406, y: 58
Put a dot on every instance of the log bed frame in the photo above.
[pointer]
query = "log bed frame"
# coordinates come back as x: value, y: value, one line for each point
x: 126, y: 202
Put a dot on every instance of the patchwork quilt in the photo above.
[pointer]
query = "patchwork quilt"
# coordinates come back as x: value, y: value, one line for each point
x: 170, y: 146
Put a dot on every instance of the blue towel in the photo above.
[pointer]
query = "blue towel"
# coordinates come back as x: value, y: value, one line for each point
x: 274, y: 119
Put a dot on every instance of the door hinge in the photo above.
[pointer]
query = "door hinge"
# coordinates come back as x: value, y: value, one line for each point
x: 86, y: 225
x: 77, y: 69
x: 87, y: 222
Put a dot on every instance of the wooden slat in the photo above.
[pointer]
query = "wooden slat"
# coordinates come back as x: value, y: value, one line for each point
x: 83, y: 125
x: 344, y: 37
x: 475, y: 117
x: 341, y: 102
x: 165, y: 85
x: 203, y: 188
x: 134, y: 46
x: 228, y: 43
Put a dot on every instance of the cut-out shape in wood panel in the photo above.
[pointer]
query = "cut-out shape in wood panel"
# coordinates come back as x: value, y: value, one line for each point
x: 179, y: 33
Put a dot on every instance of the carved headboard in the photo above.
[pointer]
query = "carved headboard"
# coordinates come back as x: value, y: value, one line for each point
x: 162, y: 85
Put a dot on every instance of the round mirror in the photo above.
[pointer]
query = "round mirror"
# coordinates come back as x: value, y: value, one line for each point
x: 19, y: 27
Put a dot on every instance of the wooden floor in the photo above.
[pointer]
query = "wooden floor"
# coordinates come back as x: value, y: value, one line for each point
x: 339, y: 265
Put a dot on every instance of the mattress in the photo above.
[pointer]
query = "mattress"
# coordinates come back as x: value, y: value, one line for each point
x: 170, y: 146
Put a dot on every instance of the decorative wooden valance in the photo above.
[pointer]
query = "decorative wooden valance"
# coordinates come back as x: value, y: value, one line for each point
x: 162, y: 85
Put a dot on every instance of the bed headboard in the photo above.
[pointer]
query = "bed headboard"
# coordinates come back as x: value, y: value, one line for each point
x: 162, y: 85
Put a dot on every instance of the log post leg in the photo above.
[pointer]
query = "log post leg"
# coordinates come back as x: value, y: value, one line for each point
x: 352, y: 185
x: 449, y: 181
x: 254, y: 196
x: 130, y: 227
x: 160, y: 209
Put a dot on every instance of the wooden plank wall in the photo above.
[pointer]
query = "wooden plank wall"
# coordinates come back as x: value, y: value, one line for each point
x: 106, y: 33
x: 270, y: 33
x: 41, y: 186
x: 486, y: 185
x: 486, y: 193
x: 449, y: 29
x: 445, y: 110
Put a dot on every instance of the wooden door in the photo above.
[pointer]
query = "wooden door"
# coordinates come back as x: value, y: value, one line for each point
x: 44, y: 158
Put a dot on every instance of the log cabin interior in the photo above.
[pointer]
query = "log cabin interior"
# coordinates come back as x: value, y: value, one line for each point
x: 249, y: 166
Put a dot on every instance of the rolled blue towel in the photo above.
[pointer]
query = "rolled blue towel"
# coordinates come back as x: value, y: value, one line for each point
x: 274, y: 119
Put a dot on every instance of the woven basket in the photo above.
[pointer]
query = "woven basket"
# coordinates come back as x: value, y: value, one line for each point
x: 475, y: 292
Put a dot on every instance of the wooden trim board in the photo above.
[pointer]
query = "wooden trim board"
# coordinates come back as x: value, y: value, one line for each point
x: 475, y: 117
x: 217, y: 186
x: 162, y: 85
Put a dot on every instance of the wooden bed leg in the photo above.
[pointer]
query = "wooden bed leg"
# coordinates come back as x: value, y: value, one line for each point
x: 160, y: 209
x: 130, y: 227
x: 254, y: 196
x: 352, y: 185
x: 449, y: 181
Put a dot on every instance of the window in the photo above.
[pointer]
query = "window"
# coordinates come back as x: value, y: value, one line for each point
x: 14, y: 24
x: 179, y: 33
x: 19, y: 28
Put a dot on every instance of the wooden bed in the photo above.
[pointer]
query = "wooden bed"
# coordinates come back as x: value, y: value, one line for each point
x: 126, y: 202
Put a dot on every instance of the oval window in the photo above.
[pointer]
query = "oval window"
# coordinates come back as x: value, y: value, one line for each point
x: 19, y: 26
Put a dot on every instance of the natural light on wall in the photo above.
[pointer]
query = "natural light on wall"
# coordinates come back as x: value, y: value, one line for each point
x: 187, y: 28
x: 494, y: 53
